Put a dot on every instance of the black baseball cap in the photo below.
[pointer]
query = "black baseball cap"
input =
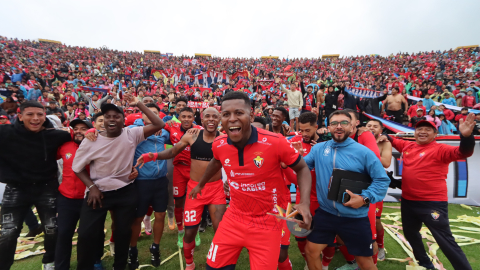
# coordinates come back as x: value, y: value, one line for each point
x: 77, y: 121
x: 109, y: 107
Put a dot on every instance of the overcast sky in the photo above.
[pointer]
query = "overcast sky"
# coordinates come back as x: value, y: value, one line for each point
x: 249, y: 28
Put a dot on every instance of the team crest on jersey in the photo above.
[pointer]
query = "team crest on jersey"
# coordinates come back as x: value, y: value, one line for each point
x: 258, y: 161
x: 422, y: 154
x: 68, y: 156
x: 435, y: 215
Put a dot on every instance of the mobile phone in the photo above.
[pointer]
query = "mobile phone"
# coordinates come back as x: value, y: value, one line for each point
x: 346, y: 197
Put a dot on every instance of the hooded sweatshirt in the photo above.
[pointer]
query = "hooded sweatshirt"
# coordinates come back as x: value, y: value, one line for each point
x: 27, y: 157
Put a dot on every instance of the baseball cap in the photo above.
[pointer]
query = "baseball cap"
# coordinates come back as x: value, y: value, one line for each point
x: 76, y: 121
x: 426, y: 123
x: 419, y: 109
x: 109, y: 106
x: 3, y: 117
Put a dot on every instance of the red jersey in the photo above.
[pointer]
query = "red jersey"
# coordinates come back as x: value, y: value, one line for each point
x: 468, y: 101
x: 368, y: 140
x: 68, y: 100
x: 71, y: 187
x: 425, y: 182
x: 306, y: 147
x: 412, y: 111
x: 255, y: 176
x: 176, y: 132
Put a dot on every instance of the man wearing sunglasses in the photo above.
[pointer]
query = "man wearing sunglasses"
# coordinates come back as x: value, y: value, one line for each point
x: 349, y: 220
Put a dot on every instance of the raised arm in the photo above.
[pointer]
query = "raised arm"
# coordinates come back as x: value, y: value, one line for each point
x: 185, y: 141
x: 157, y: 123
x: 302, y: 87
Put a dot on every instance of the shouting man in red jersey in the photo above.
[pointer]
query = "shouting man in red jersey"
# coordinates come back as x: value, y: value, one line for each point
x: 251, y: 159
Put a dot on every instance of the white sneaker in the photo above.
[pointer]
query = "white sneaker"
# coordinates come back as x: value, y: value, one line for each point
x: 48, y: 266
x: 324, y: 267
x: 148, y: 224
x: 112, y: 248
x: 381, y: 254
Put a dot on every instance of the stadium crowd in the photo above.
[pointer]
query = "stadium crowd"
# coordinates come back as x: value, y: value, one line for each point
x: 195, y: 104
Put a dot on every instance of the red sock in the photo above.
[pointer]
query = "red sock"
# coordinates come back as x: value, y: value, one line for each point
x: 111, y: 238
x: 188, y: 249
x: 285, y: 265
x: 179, y: 217
x: 301, y: 247
x: 380, y: 238
x: 374, y: 257
x: 348, y: 257
x: 328, y: 253
x: 149, y: 211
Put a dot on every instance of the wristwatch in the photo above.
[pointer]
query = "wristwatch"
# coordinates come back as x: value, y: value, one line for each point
x: 366, y: 200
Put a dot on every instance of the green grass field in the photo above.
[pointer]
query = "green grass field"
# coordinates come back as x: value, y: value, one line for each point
x: 168, y: 246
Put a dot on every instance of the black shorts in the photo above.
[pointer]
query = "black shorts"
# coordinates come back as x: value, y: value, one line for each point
x: 355, y: 232
x: 397, y: 115
x: 152, y: 193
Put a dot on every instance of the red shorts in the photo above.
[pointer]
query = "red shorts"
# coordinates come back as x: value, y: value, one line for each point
x: 181, y: 176
x: 285, y: 242
x: 379, y: 209
x: 212, y: 193
x: 232, y: 236
x: 373, y: 221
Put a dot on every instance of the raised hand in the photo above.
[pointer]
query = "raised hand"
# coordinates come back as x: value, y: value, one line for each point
x: 466, y: 127
x: 298, y: 146
x: 131, y: 99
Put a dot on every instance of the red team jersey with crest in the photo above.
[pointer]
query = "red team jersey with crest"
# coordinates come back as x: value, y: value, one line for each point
x: 255, y: 176
x: 176, y: 133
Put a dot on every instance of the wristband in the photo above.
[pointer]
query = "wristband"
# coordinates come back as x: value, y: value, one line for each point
x: 91, y: 186
x: 146, y: 157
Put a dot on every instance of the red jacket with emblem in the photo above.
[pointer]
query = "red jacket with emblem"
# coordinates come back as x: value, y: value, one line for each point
x: 71, y: 187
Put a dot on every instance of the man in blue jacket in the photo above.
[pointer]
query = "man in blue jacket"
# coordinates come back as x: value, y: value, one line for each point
x: 18, y: 75
x: 152, y: 187
x: 348, y: 220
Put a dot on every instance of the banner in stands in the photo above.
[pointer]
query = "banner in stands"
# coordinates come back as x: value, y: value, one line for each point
x: 393, y: 126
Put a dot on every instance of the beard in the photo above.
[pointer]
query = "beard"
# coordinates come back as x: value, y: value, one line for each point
x: 78, y: 141
x: 343, y: 138
x: 309, y: 139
